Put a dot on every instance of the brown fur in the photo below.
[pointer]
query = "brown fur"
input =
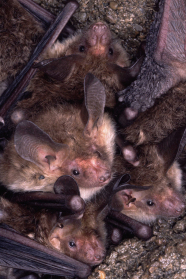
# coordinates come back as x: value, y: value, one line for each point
x: 165, y: 192
x: 20, y: 34
x: 82, y: 239
x: 61, y: 120
x: 47, y: 91
x: 167, y: 115
x: 20, y: 174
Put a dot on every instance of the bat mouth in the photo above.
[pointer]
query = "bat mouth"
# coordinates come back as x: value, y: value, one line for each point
x: 98, y: 258
x: 128, y: 199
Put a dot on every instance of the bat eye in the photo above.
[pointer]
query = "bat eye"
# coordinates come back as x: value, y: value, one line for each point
x: 81, y: 48
x: 150, y: 203
x: 75, y: 172
x: 111, y: 51
x: 41, y: 177
x: 72, y: 244
x: 98, y: 154
x: 59, y: 225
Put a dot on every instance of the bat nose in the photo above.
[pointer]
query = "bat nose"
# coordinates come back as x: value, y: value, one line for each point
x: 99, y: 28
x: 99, y: 257
x: 100, y: 35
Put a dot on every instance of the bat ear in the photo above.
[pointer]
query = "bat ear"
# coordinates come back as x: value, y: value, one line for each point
x: 94, y: 104
x: 172, y: 146
x: 34, y: 145
x: 127, y: 75
x: 60, y: 68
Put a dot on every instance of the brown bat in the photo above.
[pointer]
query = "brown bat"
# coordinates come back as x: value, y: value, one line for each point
x: 89, y: 48
x: 163, y: 89
x: 157, y: 167
x: 84, y: 239
x: 26, y: 254
x: 73, y: 139
x: 92, y: 50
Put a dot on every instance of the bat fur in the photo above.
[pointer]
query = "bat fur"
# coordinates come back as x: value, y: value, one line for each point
x: 83, y: 239
x: 140, y: 140
x: 156, y: 168
x: 103, y: 56
x: 167, y: 111
x: 20, y: 34
x: 66, y: 140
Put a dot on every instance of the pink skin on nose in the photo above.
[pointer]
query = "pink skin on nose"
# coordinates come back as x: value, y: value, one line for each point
x: 99, y: 38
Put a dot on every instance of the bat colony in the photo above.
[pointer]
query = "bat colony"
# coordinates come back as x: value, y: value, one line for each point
x: 92, y: 138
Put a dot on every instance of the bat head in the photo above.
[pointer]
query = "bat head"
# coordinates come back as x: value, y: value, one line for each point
x: 77, y: 242
x: 95, y: 40
x: 76, y: 140
x: 146, y: 206
x: 158, y: 169
x: 93, y: 50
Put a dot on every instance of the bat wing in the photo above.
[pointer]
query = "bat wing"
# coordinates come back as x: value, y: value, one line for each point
x: 45, y: 17
x: 20, y: 252
x: 165, y: 62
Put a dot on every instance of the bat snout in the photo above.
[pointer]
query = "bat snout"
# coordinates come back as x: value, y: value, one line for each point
x: 96, y: 257
x: 99, y: 38
x: 174, y: 207
x: 99, y: 257
x: 99, y: 28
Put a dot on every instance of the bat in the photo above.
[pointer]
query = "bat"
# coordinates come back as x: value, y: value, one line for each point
x: 82, y: 238
x: 83, y: 147
x: 157, y: 167
x: 22, y: 252
x: 151, y: 125
x: 112, y: 52
x: 67, y: 64
x: 153, y: 128
x: 164, y: 64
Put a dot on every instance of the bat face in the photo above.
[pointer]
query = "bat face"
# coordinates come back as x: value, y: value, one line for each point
x: 97, y: 41
x: 164, y: 197
x: 76, y: 140
x: 78, y: 243
x: 88, y: 163
x: 69, y: 236
x: 92, y: 50
x: 147, y: 206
